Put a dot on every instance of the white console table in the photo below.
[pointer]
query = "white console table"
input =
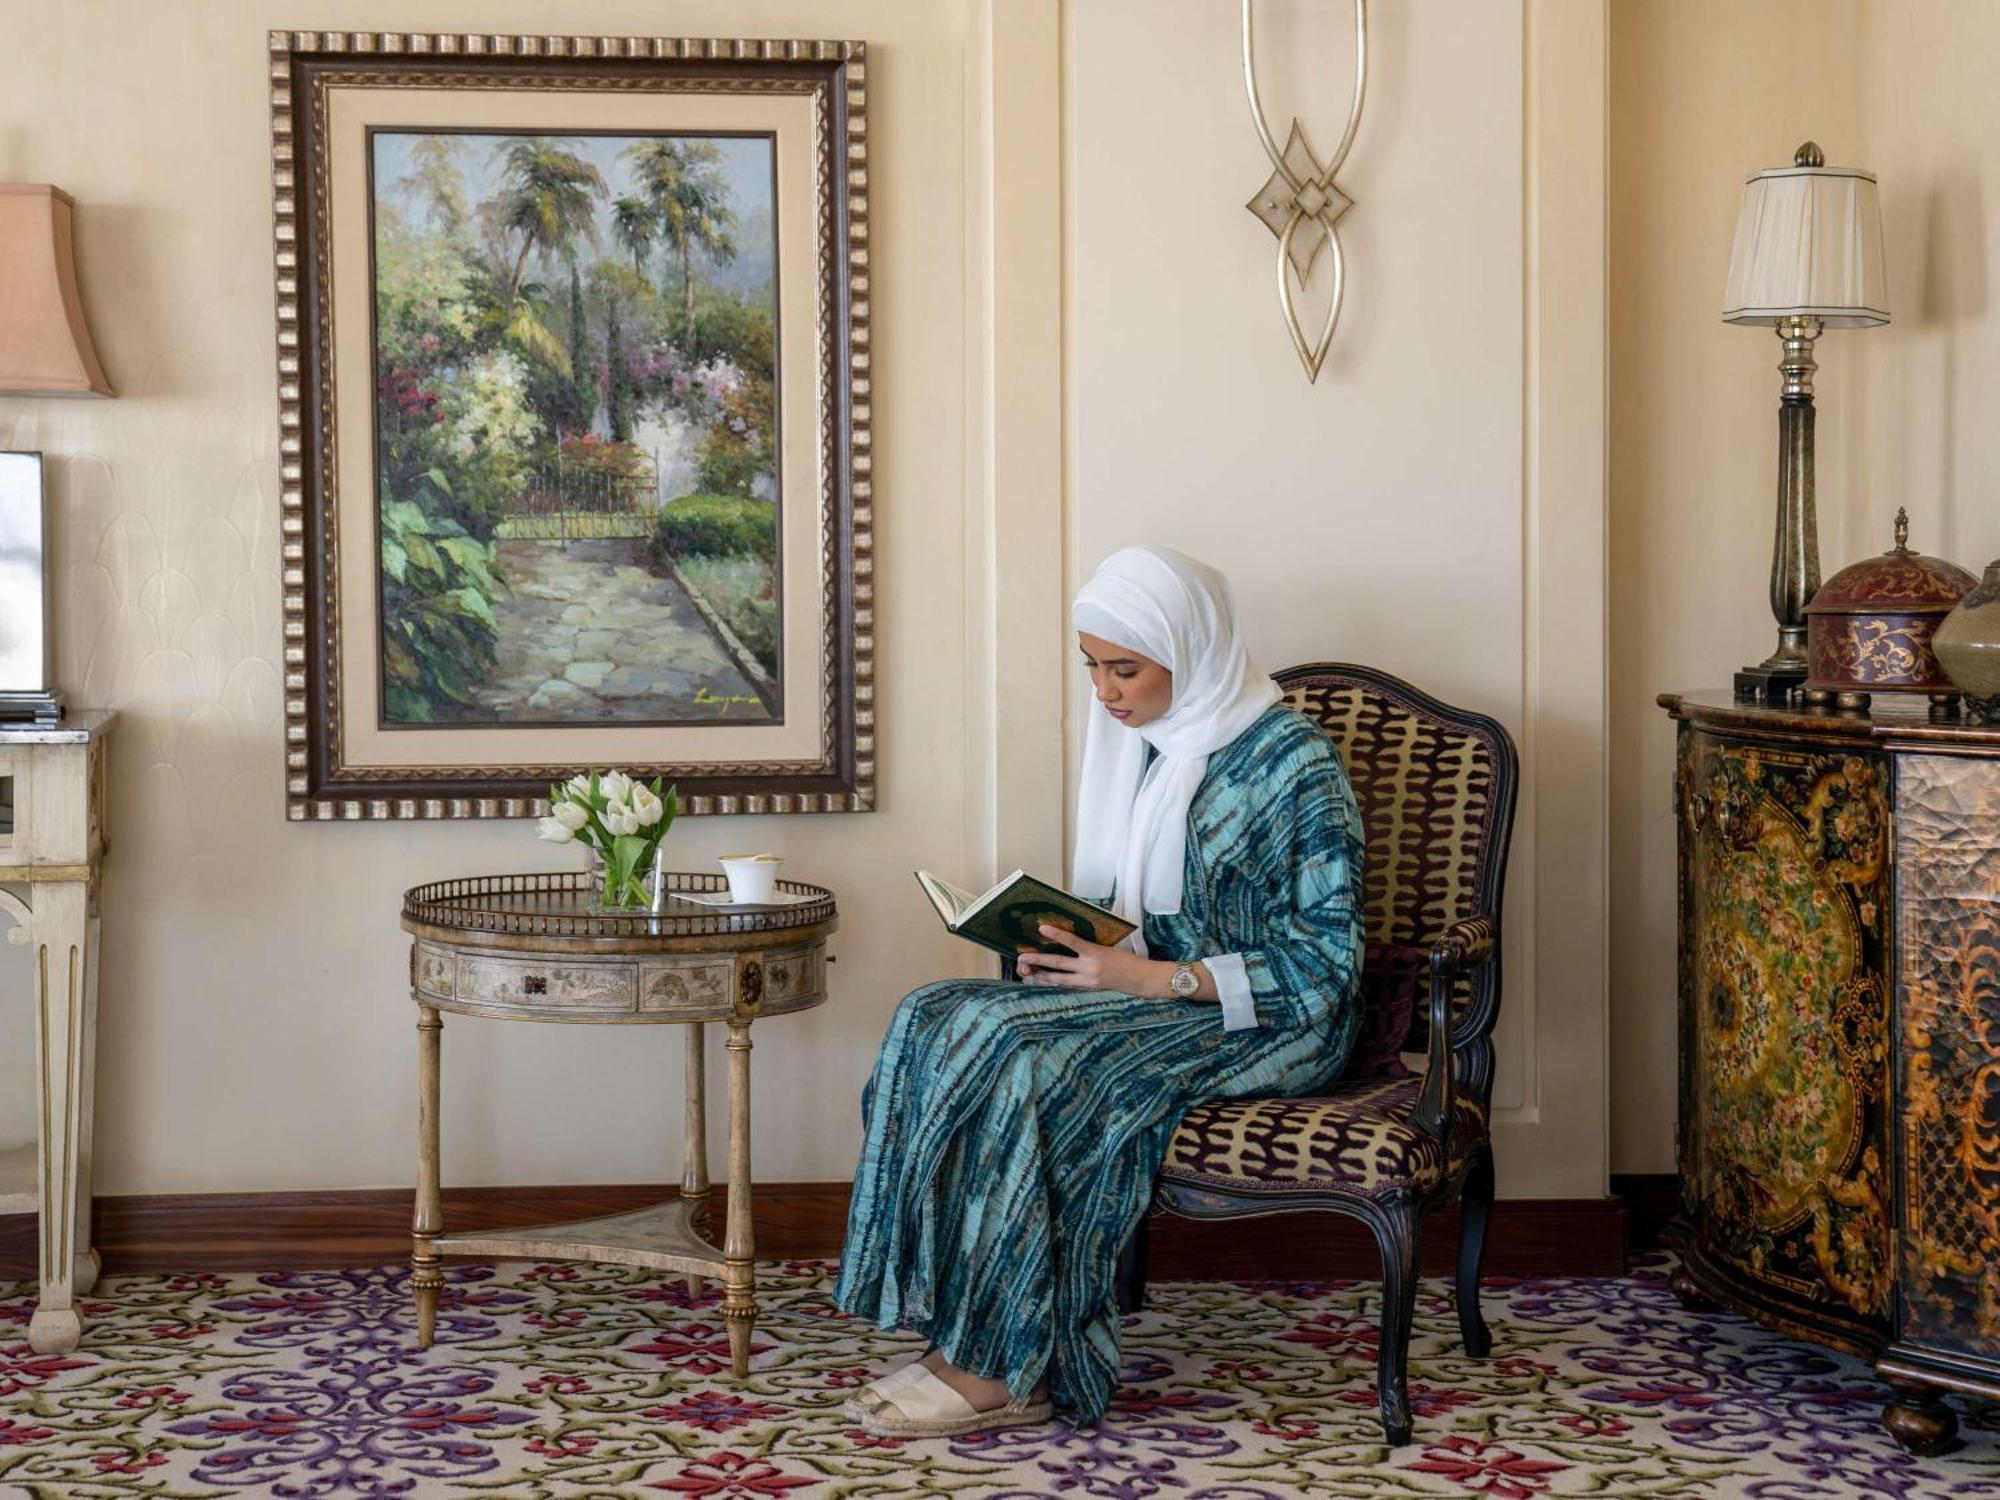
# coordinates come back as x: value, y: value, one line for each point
x: 51, y: 852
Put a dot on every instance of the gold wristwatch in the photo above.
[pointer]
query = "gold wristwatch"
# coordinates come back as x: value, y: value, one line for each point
x: 1185, y: 981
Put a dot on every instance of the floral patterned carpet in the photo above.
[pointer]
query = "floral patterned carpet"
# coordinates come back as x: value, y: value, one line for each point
x: 589, y: 1381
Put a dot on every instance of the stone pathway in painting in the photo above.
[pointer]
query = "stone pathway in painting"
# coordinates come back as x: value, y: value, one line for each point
x: 594, y: 1382
x: 587, y: 631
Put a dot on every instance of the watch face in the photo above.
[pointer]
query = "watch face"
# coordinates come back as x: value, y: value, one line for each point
x: 1185, y: 982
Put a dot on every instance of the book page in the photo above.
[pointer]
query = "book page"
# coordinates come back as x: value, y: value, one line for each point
x: 949, y: 900
x: 1000, y: 888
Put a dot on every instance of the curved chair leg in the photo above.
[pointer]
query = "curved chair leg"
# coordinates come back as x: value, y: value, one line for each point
x: 1131, y: 1276
x: 1475, y: 1213
x: 1396, y: 1237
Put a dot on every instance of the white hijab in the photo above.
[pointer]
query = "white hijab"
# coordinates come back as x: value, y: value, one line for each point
x: 1131, y: 818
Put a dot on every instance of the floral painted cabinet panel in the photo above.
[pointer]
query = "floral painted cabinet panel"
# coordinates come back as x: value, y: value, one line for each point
x: 1948, y: 979
x: 1785, y: 1145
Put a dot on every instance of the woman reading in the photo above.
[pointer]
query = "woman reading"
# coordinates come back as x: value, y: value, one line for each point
x: 1012, y: 1129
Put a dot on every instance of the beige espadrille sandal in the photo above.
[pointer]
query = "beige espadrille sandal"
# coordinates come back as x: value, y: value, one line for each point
x: 876, y: 1392
x: 927, y: 1407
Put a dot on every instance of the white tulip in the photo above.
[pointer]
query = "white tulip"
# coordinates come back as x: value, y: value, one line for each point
x: 554, y: 830
x: 615, y: 785
x: 621, y: 820
x: 579, y: 785
x: 646, y: 806
x: 570, y: 815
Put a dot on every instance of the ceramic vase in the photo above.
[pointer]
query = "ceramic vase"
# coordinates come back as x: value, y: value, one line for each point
x: 1968, y: 647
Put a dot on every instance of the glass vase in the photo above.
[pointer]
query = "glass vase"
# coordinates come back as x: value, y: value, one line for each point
x: 603, y: 900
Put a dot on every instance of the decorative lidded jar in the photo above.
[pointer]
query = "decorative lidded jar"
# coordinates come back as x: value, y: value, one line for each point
x: 1968, y: 647
x: 1871, y: 626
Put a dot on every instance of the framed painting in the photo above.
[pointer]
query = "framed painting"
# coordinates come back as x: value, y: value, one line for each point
x: 573, y: 384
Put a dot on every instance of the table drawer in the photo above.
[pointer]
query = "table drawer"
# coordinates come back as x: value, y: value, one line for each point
x: 531, y: 984
x: 433, y: 971
x: 794, y: 977
x: 681, y: 986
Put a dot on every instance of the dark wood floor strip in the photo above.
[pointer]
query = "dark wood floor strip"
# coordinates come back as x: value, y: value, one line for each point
x: 799, y: 1220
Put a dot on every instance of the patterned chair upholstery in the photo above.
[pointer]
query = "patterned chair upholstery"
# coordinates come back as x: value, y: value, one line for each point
x: 1358, y: 1139
x: 1435, y: 786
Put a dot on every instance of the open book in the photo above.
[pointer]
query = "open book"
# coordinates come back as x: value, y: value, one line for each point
x: 1007, y: 918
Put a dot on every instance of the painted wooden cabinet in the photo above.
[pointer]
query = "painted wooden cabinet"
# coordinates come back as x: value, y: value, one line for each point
x: 1839, y: 1133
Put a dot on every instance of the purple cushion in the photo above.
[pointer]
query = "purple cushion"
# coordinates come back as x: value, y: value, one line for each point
x: 1392, y: 977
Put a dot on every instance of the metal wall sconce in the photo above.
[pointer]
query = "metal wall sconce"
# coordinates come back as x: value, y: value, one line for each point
x: 1300, y: 204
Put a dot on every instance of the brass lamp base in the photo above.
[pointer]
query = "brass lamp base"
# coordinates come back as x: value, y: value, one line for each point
x: 1768, y: 684
x: 1778, y: 677
x: 1795, y: 548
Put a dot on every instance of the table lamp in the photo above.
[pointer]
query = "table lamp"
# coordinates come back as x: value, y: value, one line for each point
x: 45, y: 350
x: 1808, y: 257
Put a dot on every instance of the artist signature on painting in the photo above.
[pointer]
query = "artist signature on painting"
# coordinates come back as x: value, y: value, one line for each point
x: 703, y: 695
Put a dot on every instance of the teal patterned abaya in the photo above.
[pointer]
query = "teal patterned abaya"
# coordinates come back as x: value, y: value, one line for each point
x: 1011, y: 1133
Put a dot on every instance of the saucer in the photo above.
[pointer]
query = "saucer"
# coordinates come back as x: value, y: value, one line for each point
x: 720, y: 900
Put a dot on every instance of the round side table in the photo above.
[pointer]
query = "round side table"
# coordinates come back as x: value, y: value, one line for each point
x: 537, y: 948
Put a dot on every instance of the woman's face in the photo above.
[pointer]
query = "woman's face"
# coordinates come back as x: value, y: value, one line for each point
x: 1134, y: 689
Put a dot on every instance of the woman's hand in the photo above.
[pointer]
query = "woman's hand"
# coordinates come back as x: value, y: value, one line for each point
x: 1094, y: 967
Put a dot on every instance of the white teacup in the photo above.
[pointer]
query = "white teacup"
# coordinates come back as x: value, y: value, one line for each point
x: 752, y: 877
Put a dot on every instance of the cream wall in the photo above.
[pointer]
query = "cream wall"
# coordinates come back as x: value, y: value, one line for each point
x: 1077, y: 346
x: 1404, y: 511
x: 1704, y: 91
x: 257, y: 1030
x: 1926, y: 388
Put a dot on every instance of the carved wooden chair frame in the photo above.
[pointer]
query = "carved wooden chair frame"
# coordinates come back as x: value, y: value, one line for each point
x: 1455, y: 1032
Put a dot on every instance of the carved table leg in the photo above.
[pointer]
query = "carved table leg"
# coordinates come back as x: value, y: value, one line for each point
x: 426, y: 1271
x: 739, y: 1292
x: 694, y: 1147
x: 87, y: 1264
x: 63, y: 986
x: 1919, y: 1419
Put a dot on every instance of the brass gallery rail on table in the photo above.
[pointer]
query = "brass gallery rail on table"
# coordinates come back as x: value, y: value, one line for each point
x: 536, y: 948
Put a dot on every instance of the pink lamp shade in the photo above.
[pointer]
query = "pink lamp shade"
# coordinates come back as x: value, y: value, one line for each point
x: 45, y: 347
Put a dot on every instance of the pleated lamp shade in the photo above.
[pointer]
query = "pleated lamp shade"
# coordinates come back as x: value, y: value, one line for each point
x: 1808, y: 245
x: 45, y: 347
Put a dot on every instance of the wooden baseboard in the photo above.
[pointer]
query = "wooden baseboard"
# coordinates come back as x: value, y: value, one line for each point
x: 1651, y: 1199
x: 794, y: 1221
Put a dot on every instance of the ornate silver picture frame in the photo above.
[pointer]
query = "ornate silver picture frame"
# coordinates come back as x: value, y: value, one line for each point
x: 574, y: 409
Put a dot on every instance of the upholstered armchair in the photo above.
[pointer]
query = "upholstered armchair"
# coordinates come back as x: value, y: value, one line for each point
x: 1435, y: 786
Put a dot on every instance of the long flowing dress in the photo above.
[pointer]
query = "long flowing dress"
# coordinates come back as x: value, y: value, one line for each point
x: 1011, y: 1133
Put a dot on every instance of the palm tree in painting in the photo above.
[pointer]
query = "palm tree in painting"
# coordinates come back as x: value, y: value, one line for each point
x: 633, y: 223
x: 682, y: 180
x: 436, y: 179
x: 546, y: 198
